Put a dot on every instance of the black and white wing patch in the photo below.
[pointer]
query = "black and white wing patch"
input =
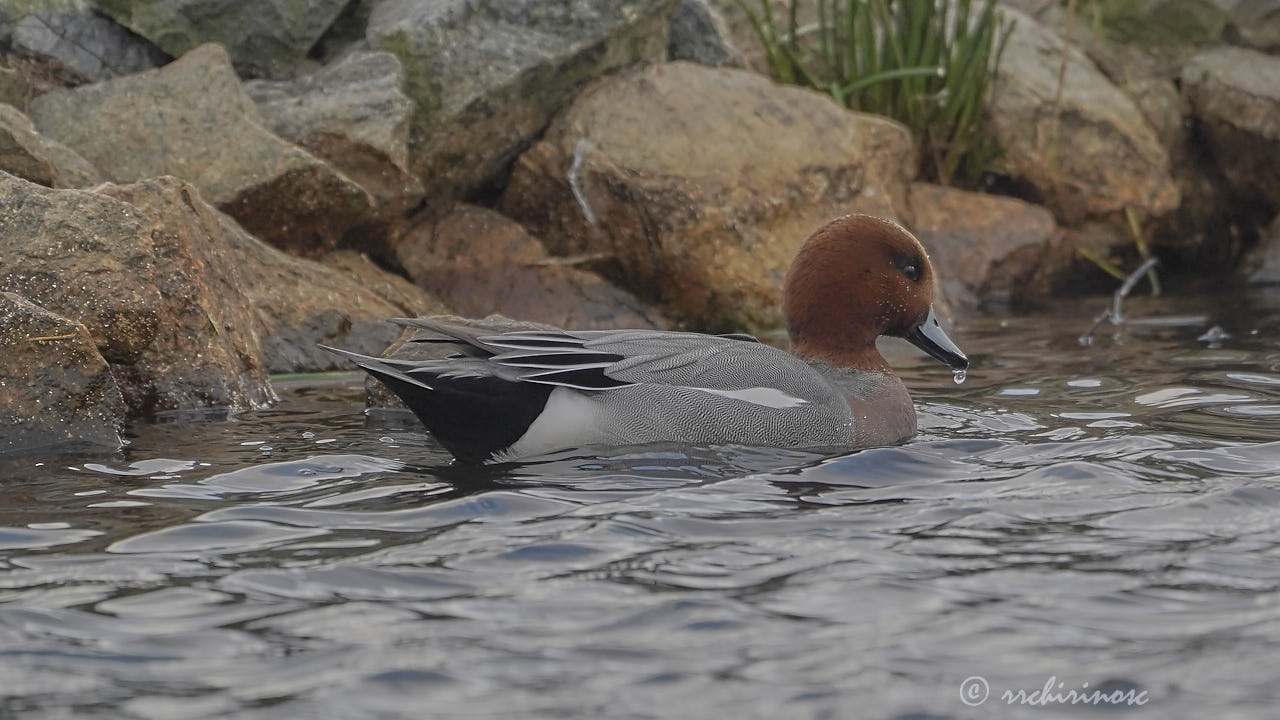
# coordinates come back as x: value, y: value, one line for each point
x: 554, y: 359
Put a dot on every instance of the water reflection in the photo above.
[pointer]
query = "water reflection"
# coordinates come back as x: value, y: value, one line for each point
x: 1105, y: 515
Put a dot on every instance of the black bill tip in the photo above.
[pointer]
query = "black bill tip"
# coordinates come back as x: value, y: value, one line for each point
x: 931, y: 338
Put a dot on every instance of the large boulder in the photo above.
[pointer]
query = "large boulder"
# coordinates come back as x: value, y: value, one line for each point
x: 480, y: 262
x: 54, y: 385
x: 265, y: 37
x: 1088, y: 154
x: 987, y: 248
x: 145, y: 269
x: 487, y: 75
x: 77, y: 34
x: 704, y: 182
x: 353, y: 114
x: 34, y: 157
x: 192, y: 119
x: 1235, y: 96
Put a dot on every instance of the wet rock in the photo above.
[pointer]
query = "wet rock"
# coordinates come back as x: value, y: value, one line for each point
x: 702, y: 183
x: 32, y: 156
x: 700, y: 34
x: 191, y: 119
x: 265, y: 39
x: 1263, y: 264
x: 487, y: 75
x: 987, y: 248
x: 479, y: 262
x: 378, y: 396
x: 145, y: 268
x: 301, y: 302
x: 354, y: 115
x: 1091, y: 156
x: 1235, y: 95
x: 54, y: 385
x: 84, y: 39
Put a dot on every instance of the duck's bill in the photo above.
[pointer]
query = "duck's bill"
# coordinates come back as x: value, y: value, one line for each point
x: 929, y: 337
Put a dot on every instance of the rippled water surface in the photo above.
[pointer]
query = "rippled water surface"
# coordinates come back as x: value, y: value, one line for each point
x: 1104, y: 517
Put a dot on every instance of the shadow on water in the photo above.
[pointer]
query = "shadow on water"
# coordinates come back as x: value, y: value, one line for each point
x: 1105, y: 516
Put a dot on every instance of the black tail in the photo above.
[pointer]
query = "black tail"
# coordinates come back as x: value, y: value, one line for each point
x: 474, y: 416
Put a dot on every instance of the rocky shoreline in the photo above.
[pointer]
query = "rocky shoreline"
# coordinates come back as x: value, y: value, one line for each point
x: 189, y: 204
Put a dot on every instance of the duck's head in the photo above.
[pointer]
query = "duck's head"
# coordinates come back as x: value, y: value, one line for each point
x: 855, y: 279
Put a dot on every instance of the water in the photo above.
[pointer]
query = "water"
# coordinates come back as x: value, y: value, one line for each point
x: 1103, y: 517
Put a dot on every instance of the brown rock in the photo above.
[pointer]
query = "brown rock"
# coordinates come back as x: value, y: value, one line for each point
x: 984, y: 247
x: 1089, y: 156
x: 145, y: 268
x: 703, y: 183
x: 479, y: 262
x: 191, y: 119
x: 54, y: 385
x: 34, y: 157
x: 301, y: 303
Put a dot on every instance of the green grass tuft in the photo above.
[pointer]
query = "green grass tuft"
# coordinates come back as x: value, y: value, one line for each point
x: 927, y: 63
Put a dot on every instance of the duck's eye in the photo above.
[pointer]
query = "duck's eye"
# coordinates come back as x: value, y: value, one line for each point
x: 912, y: 271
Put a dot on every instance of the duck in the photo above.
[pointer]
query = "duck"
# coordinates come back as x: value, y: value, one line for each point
x: 510, y: 395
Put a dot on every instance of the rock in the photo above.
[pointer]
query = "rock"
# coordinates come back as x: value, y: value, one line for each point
x: 54, y: 385
x: 1257, y: 24
x: 1235, y: 95
x: 301, y: 303
x: 24, y: 77
x: 377, y: 396
x: 34, y: 157
x: 703, y: 183
x: 191, y: 119
x: 985, y: 247
x: 146, y: 269
x: 1102, y: 158
x: 265, y: 38
x: 84, y: 39
x: 479, y: 262
x: 1263, y: 264
x: 354, y: 115
x: 487, y: 75
x: 700, y: 34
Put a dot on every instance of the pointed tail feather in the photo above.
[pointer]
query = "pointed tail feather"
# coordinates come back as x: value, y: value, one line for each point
x: 380, y: 366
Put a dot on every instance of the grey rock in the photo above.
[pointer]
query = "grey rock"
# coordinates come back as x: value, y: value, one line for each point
x: 1257, y: 23
x: 265, y: 38
x: 84, y: 39
x: 487, y: 75
x: 32, y: 156
x: 1092, y: 155
x: 700, y: 34
x: 192, y: 119
x: 54, y: 385
x: 353, y: 114
x: 1235, y: 94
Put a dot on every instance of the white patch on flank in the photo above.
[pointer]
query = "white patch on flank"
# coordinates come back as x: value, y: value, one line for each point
x: 765, y: 397
x: 568, y: 419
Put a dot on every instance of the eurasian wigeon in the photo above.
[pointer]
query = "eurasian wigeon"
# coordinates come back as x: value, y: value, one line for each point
x: 517, y: 394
